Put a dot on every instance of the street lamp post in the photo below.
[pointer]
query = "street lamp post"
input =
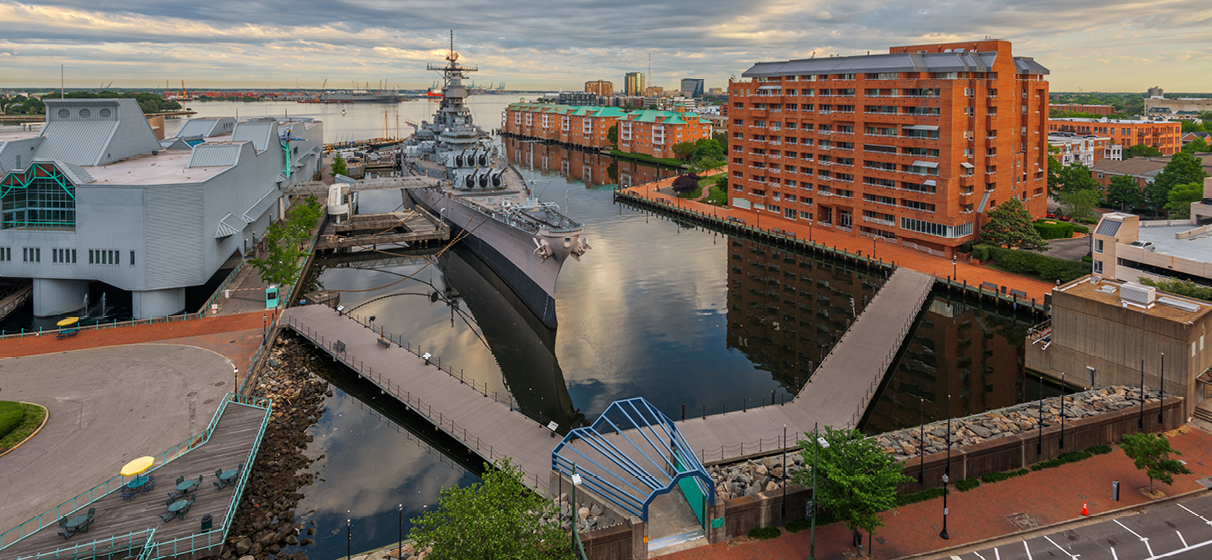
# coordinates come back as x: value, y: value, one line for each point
x: 348, y: 538
x: 1062, y: 434
x: 576, y: 481
x: 235, y: 379
x: 818, y: 441
x: 1140, y: 423
x: 921, y: 440
x: 400, y: 545
x: 1039, y: 443
x: 946, y: 473
x: 1161, y: 390
x: 954, y: 274
x: 784, y: 469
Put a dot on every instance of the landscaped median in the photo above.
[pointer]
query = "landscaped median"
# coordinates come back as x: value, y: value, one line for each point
x: 19, y: 422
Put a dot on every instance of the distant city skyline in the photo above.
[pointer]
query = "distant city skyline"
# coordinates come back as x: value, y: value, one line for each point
x: 1088, y: 45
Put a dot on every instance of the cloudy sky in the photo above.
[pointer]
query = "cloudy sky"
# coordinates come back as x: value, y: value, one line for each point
x: 1103, y: 45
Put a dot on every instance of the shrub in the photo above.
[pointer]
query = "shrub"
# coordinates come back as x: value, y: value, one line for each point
x: 764, y: 533
x: 685, y: 183
x: 1080, y: 229
x: 798, y: 525
x: 1099, y: 450
x: 927, y: 494
x: 990, y: 478
x: 981, y: 252
x: 1062, y: 459
x: 967, y: 484
x: 1053, y: 230
x: 966, y: 247
x: 11, y: 415
x: 1027, y: 262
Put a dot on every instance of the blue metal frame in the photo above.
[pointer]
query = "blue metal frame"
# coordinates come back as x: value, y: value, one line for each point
x: 653, y: 458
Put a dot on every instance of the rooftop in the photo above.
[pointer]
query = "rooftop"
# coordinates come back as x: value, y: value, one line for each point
x: 1195, y: 248
x: 894, y: 62
x: 1114, y: 121
x: 169, y: 168
x: 1107, y: 292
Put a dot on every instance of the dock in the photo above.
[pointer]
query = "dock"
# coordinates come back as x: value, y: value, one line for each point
x: 13, y: 297
x: 410, y: 227
x: 838, y: 393
x: 133, y: 528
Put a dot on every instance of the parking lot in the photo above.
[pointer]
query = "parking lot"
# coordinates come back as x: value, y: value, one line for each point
x: 1181, y: 530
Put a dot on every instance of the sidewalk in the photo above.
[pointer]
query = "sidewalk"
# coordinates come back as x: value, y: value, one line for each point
x: 1035, y: 499
x: 916, y: 260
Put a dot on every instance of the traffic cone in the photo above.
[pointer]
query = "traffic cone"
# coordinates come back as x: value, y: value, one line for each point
x: 1084, y: 511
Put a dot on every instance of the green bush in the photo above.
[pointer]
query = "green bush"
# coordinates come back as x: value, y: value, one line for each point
x: 1027, y: 262
x: 927, y: 494
x: 798, y: 525
x: 990, y: 478
x: 967, y: 484
x: 1099, y: 450
x: 1081, y: 229
x: 966, y: 247
x: 1053, y: 230
x: 11, y: 415
x: 1062, y: 459
x: 764, y: 533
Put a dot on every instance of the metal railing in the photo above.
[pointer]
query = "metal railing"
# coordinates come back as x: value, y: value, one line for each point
x: 449, y: 426
x: 231, y: 277
x: 109, y: 547
x: 50, y: 517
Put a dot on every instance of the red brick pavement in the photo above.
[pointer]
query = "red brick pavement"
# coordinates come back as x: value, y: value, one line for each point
x: 903, y: 256
x: 1048, y: 496
x: 236, y: 337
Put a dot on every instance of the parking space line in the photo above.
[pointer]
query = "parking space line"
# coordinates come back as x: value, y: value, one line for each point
x: 1180, y: 537
x: 978, y: 555
x: 997, y: 554
x: 1142, y: 539
x: 1028, y: 550
x: 1181, y: 550
x: 1205, y: 520
x: 1114, y: 556
x: 1058, y: 547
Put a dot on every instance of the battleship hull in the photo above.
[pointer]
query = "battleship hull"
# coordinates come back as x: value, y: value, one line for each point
x: 508, y: 251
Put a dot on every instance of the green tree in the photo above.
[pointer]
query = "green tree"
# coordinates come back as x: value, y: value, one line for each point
x: 856, y: 481
x: 1080, y: 203
x: 285, y: 243
x: 684, y: 150
x: 1192, y: 126
x: 612, y: 135
x: 1181, y: 197
x: 338, y: 166
x: 707, y: 149
x: 722, y: 139
x: 1077, y: 177
x: 1054, y: 175
x: 496, y: 518
x: 685, y: 183
x: 1125, y: 193
x: 1183, y: 168
x: 1181, y: 287
x: 1010, y: 225
x: 1151, y: 453
x: 1199, y: 145
x: 1141, y: 150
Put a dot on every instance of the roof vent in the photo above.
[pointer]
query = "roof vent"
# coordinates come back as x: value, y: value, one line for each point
x: 1132, y: 292
x: 1178, y: 303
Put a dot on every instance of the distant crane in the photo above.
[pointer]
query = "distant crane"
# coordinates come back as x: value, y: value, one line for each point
x: 104, y: 87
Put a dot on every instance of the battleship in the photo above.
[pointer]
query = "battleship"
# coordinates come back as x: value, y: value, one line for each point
x: 488, y: 204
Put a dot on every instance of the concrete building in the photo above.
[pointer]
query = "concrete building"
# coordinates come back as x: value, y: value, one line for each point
x: 95, y: 196
x: 655, y: 132
x: 1163, y: 135
x: 1084, y: 149
x: 578, y: 98
x: 1105, y: 332
x: 633, y: 84
x: 1156, y: 92
x: 910, y: 147
x: 1128, y: 248
x: 1175, y: 106
x: 600, y: 87
x: 692, y: 87
x: 1106, y: 110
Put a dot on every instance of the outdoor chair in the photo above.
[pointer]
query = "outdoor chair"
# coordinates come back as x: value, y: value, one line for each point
x: 128, y: 495
x: 151, y: 485
x: 63, y: 521
x: 167, y: 517
x: 220, y: 484
x: 218, y: 473
x: 172, y: 497
x: 180, y: 479
x: 83, y: 528
x: 66, y: 534
x: 91, y: 512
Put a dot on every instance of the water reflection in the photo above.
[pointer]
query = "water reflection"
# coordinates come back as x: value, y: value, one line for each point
x: 590, y: 167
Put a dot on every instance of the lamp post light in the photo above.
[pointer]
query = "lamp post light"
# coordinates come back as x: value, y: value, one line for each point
x: 946, y: 473
x: 1039, y: 443
x: 921, y: 440
x: 348, y: 538
x: 954, y: 274
x: 576, y: 481
x: 1161, y: 390
x: 235, y: 379
x: 1062, y: 415
x: 1140, y: 423
x: 400, y: 545
x: 818, y: 441
x: 784, y: 469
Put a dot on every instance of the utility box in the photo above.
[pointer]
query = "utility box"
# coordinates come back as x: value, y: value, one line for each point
x: 271, y: 296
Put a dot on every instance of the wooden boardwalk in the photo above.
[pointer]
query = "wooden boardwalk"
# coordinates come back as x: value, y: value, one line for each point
x: 230, y: 444
x: 838, y: 394
x: 487, y: 424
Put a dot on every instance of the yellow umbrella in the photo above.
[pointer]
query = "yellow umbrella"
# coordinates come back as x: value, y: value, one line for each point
x: 138, y: 466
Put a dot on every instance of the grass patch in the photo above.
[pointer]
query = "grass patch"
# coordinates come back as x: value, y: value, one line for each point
x: 927, y: 494
x: 717, y: 196
x: 990, y: 478
x: 764, y: 533
x: 1062, y: 459
x: 645, y: 157
x: 32, y: 418
x: 967, y: 484
x: 11, y: 414
x: 798, y: 525
x: 694, y: 194
x: 1099, y: 449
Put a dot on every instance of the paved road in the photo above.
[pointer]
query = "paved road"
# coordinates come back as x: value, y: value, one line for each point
x: 1181, y: 531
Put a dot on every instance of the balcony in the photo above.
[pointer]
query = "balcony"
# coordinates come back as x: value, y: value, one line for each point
x: 879, y: 221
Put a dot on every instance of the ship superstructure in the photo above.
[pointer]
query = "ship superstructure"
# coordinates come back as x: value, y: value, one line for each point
x: 523, y: 240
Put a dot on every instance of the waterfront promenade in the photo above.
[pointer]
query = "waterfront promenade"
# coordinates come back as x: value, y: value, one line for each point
x: 488, y: 425
x: 903, y: 256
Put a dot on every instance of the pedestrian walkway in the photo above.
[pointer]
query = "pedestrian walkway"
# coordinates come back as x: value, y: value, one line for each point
x: 1037, y: 499
x: 920, y: 261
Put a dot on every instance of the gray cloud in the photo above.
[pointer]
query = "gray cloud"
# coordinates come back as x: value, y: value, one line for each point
x: 1088, y: 43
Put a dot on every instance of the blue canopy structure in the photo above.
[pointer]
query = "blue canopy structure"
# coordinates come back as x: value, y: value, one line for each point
x: 630, y: 455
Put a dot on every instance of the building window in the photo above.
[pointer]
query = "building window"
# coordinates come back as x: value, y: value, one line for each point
x: 38, y: 198
x: 132, y: 258
x: 939, y: 230
x: 63, y: 256
x: 1098, y: 246
x: 1098, y: 267
x: 6, y: 254
x: 31, y: 254
x: 103, y: 257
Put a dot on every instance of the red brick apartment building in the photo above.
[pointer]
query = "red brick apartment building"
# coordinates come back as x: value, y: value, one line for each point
x: 1105, y: 110
x: 655, y: 132
x: 910, y: 147
x: 1163, y: 135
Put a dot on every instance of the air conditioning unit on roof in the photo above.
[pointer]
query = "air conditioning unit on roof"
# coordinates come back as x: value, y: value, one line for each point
x: 1132, y: 292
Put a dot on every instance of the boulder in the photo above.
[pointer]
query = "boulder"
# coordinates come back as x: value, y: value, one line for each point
x: 583, y: 512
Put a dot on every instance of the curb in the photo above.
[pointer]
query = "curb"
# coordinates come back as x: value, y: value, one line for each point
x: 1053, y: 528
x: 45, y: 419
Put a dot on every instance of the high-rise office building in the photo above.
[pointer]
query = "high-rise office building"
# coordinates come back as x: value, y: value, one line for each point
x: 633, y: 84
x: 912, y: 147
x: 692, y: 87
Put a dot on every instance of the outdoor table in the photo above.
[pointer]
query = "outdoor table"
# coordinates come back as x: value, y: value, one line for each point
x: 76, y: 521
x: 178, y: 506
x: 137, y: 483
x: 136, y: 468
x: 228, y: 475
x: 187, y: 486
